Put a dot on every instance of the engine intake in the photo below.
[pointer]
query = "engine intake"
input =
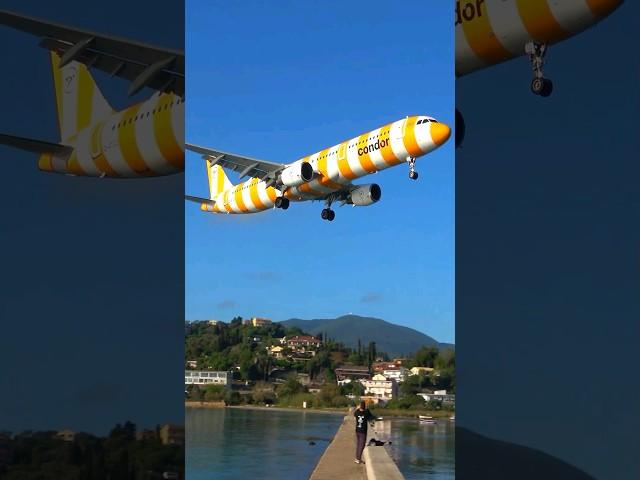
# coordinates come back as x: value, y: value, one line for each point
x: 296, y: 174
x: 365, y: 195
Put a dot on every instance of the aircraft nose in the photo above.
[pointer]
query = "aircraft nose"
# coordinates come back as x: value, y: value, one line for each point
x: 440, y: 133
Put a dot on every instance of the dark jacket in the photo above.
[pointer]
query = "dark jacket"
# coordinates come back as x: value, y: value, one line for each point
x: 362, y: 418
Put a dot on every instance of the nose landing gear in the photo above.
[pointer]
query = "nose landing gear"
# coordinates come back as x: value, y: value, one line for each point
x: 539, y: 85
x: 413, y: 175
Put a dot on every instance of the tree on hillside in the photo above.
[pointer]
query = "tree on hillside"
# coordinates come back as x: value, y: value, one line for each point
x: 263, y: 393
x: 214, y: 393
x: 426, y: 356
x: 291, y: 387
x: 371, y: 353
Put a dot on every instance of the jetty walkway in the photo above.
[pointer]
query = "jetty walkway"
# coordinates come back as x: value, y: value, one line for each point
x: 337, y: 461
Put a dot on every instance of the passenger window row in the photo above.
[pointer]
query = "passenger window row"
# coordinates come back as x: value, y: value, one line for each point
x: 140, y: 116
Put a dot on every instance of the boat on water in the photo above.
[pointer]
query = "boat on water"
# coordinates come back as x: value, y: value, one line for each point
x: 453, y: 418
x: 426, y: 420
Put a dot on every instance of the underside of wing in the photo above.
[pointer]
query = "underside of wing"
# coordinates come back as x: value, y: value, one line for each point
x: 245, y: 166
x: 34, y: 146
x: 143, y: 65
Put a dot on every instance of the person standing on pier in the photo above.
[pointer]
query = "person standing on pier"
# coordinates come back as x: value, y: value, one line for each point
x: 363, y: 417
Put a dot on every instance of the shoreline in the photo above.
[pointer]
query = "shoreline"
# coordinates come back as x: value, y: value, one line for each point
x: 412, y: 414
x: 203, y: 404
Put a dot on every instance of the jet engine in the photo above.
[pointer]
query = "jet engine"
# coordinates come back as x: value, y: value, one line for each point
x: 296, y: 174
x: 365, y: 195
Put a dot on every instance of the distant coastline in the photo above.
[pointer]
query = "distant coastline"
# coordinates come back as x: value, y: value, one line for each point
x: 191, y: 404
x: 380, y: 412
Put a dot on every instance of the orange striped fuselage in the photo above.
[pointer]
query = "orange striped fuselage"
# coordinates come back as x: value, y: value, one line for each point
x: 337, y: 166
x: 144, y: 140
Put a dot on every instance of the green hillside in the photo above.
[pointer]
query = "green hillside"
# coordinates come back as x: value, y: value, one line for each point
x: 348, y: 329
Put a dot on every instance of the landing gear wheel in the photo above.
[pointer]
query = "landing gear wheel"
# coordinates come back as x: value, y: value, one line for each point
x: 282, y: 203
x: 537, y: 84
x: 328, y: 214
x: 547, y: 88
x: 542, y: 86
x: 413, y: 175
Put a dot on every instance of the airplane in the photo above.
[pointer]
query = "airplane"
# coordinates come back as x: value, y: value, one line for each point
x: 145, y: 139
x: 324, y: 176
x: 489, y: 32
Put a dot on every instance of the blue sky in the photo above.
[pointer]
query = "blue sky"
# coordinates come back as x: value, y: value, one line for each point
x: 281, y: 80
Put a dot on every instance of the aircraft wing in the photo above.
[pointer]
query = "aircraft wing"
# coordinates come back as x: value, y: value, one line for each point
x: 143, y: 65
x: 252, y: 167
x: 200, y: 200
x: 34, y: 146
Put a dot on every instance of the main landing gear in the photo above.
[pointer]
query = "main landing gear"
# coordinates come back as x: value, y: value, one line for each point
x: 282, y: 202
x: 413, y: 175
x: 327, y: 213
x: 539, y: 85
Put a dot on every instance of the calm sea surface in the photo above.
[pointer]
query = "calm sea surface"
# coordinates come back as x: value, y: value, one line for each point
x: 420, y: 450
x: 229, y: 443
x: 234, y: 444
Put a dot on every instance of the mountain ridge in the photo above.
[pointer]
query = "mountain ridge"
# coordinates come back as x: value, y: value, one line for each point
x: 391, y: 338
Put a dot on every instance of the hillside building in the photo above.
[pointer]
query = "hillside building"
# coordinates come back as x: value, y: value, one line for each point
x: 380, y: 366
x: 351, y: 372
x: 192, y: 364
x: 302, y: 343
x: 441, y: 395
x: 276, y: 351
x: 66, y: 435
x: 195, y: 377
x: 380, y: 387
x: 421, y: 370
x: 258, y: 322
x: 399, y: 374
x: 172, y: 434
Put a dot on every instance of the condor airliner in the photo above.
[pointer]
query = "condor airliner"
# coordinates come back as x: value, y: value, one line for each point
x: 325, y: 175
x: 144, y: 140
x: 488, y: 32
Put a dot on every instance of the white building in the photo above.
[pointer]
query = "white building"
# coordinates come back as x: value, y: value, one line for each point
x: 419, y: 370
x: 194, y: 377
x: 399, y: 374
x: 439, y: 395
x: 380, y: 387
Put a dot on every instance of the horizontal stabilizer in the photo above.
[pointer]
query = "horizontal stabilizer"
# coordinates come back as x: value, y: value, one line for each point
x: 200, y: 200
x: 34, y: 146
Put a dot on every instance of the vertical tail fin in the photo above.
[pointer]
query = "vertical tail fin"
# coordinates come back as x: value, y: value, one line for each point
x: 218, y: 181
x: 79, y: 100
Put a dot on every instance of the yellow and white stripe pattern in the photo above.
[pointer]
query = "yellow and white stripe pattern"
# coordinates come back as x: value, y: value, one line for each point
x: 492, y: 31
x: 337, y: 166
x: 146, y: 139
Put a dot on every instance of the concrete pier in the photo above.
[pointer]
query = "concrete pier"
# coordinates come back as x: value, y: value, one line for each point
x: 337, y: 461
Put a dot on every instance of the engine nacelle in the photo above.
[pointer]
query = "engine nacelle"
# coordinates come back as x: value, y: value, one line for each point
x: 297, y: 174
x: 365, y: 195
